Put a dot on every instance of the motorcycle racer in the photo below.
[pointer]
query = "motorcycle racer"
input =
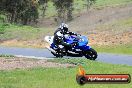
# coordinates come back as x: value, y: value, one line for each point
x: 59, y: 37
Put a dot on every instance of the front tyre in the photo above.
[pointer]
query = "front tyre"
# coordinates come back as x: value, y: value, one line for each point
x: 91, y: 54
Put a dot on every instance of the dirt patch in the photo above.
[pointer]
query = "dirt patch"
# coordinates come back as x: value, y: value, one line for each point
x: 89, y: 20
x: 108, y: 38
x: 24, y: 63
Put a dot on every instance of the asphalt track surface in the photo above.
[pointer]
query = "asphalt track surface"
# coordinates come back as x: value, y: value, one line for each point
x: 45, y: 54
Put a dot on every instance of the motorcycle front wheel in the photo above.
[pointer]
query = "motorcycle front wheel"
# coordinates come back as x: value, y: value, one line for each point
x: 91, y: 54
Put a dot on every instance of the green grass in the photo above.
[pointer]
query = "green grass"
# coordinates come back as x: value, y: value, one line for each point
x: 3, y: 55
x: 61, y: 77
x: 120, y: 49
x: 116, y: 26
x: 104, y: 3
x: 125, y: 22
x: 12, y: 31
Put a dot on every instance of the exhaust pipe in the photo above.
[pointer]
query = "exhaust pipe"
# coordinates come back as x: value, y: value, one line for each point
x: 52, y: 50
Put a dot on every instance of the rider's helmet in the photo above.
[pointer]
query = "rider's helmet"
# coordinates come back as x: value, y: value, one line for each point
x: 64, y: 28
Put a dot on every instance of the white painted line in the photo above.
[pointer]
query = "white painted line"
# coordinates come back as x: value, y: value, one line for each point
x: 31, y: 57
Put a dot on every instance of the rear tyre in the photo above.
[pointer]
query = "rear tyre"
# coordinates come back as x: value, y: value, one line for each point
x: 90, y: 54
x: 58, y: 55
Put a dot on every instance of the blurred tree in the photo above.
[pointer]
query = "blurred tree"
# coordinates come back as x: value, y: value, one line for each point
x: 44, y: 4
x: 70, y: 10
x: 64, y: 9
x: 89, y: 3
x: 26, y: 11
x: 20, y: 11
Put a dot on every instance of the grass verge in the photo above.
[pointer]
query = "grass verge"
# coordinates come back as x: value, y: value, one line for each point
x: 105, y: 3
x: 61, y: 77
x: 3, y: 55
x: 12, y: 31
x: 120, y: 49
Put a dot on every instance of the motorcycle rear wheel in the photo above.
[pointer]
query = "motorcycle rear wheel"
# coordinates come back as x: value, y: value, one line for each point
x: 91, y: 54
x: 58, y: 55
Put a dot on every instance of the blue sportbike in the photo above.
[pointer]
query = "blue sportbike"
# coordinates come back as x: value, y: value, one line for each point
x: 80, y: 47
